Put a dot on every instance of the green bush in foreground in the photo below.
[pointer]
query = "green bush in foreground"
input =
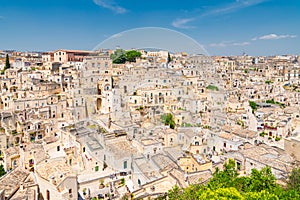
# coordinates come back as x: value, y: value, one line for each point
x: 226, y: 184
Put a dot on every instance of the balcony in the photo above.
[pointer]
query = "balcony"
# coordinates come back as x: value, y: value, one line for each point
x: 270, y: 128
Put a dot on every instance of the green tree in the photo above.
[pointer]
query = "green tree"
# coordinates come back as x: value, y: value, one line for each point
x: 118, y: 57
x: 132, y: 55
x: 261, y: 180
x: 268, y: 82
x: 2, y: 171
x: 224, y: 178
x: 253, y: 106
x: 7, y: 64
x: 212, y: 87
x: 175, y: 193
x: 227, y: 185
x: 169, y: 58
x: 294, y: 180
x: 270, y: 101
x: 221, y: 193
x: 168, y: 119
x: 262, y: 195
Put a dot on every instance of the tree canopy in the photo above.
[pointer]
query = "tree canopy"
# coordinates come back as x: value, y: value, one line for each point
x: 294, y: 180
x: 120, y: 56
x: 132, y: 55
x: 168, y: 119
x: 2, y: 171
x: 7, y: 64
x: 212, y: 87
x: 253, y: 106
x: 226, y: 184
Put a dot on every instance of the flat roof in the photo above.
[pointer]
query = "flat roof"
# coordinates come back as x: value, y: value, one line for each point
x: 92, y: 143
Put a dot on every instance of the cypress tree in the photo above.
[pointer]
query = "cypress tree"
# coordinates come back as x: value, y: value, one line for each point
x: 7, y: 64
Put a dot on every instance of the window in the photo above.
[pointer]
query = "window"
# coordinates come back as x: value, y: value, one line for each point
x: 70, y: 193
x: 48, y: 195
x: 125, y: 164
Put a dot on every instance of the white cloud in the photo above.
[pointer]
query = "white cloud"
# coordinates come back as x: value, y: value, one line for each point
x: 241, y: 44
x: 221, y: 10
x: 227, y: 44
x: 273, y: 37
x: 237, y: 5
x: 181, y: 23
x: 111, y: 5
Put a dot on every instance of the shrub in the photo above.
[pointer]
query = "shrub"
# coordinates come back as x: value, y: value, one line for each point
x: 277, y: 139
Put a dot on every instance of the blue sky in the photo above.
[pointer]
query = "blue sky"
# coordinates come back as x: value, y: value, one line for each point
x: 223, y: 27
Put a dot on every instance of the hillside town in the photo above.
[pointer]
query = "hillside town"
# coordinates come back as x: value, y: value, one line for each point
x: 76, y: 125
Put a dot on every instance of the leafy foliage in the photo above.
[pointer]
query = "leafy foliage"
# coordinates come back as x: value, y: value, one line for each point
x: 262, y: 134
x: 226, y: 184
x: 275, y: 102
x: 270, y: 101
x: 253, y: 105
x: 212, y: 87
x: 7, y: 64
x: 120, y: 56
x: 168, y: 119
x: 277, y: 139
x: 294, y: 180
x: 268, y: 82
x: 2, y: 171
x: 132, y: 55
